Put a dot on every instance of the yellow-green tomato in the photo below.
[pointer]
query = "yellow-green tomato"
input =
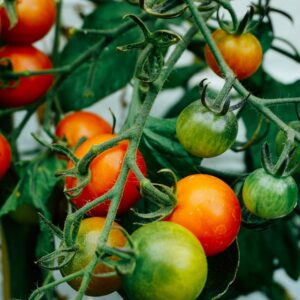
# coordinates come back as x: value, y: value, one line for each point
x: 203, y: 133
x: 269, y: 197
x: 88, y: 235
x: 170, y: 264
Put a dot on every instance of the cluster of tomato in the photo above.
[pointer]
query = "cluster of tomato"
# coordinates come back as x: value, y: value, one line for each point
x: 205, y: 221
x: 207, y: 217
x: 35, y: 18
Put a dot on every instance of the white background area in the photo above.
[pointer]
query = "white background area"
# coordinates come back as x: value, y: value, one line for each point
x: 279, y: 66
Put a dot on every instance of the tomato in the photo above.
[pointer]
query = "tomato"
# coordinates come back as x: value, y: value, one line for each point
x: 242, y: 53
x: 105, y: 169
x: 89, y: 232
x: 29, y: 89
x: 204, y: 133
x: 5, y: 155
x: 81, y: 124
x: 280, y: 142
x: 268, y: 196
x: 209, y: 208
x: 170, y: 264
x: 35, y: 18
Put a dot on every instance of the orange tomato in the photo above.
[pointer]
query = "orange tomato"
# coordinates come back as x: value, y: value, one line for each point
x: 79, y: 124
x: 209, y: 208
x: 28, y: 89
x: 35, y: 18
x: 105, y: 169
x: 242, y: 53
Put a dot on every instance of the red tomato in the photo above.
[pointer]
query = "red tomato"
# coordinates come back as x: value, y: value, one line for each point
x: 35, y: 18
x: 209, y: 208
x: 242, y: 53
x: 105, y: 169
x: 5, y: 155
x: 29, y: 89
x: 81, y: 124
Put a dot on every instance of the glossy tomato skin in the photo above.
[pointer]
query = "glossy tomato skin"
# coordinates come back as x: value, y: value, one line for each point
x: 204, y: 133
x: 88, y: 235
x: 35, y: 18
x: 242, y: 53
x: 209, y: 208
x: 5, y: 155
x: 29, y: 89
x: 105, y: 169
x: 281, y: 141
x: 269, y: 197
x: 80, y: 124
x: 170, y: 264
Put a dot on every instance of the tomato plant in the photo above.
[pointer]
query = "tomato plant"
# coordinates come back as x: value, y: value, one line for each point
x: 109, y: 163
x: 204, y: 133
x: 170, y: 264
x: 5, y: 155
x: 28, y: 89
x: 209, y: 208
x: 242, y: 53
x: 81, y: 124
x: 88, y: 234
x: 35, y: 18
x: 268, y: 196
x: 128, y: 55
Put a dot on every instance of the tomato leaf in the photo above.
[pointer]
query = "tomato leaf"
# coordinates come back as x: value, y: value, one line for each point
x: 35, y: 184
x: 95, y: 79
x: 161, y: 149
x: 222, y: 270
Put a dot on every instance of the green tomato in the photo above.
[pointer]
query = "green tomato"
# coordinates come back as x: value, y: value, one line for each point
x: 281, y: 141
x: 204, y: 133
x: 170, y: 264
x: 269, y: 197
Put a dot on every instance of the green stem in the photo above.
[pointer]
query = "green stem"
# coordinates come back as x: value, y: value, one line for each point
x: 55, y: 283
x: 226, y: 4
x: 13, y: 75
x: 56, y: 43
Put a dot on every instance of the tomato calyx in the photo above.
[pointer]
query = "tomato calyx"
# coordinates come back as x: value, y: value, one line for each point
x: 164, y: 197
x: 281, y: 168
x: 246, y: 24
x: 221, y: 105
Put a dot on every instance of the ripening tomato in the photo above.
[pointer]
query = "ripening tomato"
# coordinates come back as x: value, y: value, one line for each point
x: 170, y: 264
x: 28, y: 89
x: 203, y: 133
x: 35, y: 18
x: 209, y: 208
x: 80, y: 124
x: 105, y: 169
x: 89, y: 231
x: 242, y: 53
x: 269, y: 196
x: 5, y: 155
